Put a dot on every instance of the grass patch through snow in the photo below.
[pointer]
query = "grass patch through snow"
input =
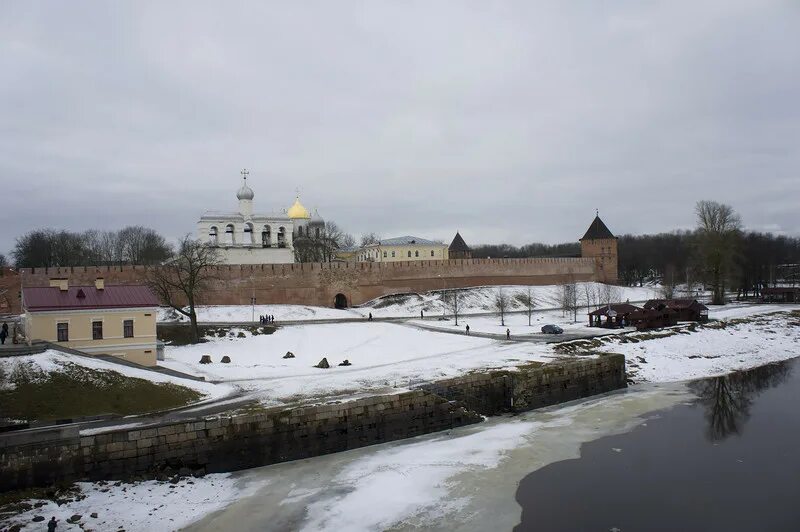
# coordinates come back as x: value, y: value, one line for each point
x: 28, y: 393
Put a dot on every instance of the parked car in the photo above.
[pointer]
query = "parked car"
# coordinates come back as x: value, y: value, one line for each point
x: 552, y: 329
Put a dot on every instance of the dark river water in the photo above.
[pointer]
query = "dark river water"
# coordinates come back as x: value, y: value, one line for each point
x: 728, y: 461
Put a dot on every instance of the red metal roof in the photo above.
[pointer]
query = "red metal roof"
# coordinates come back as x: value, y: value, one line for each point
x: 113, y: 296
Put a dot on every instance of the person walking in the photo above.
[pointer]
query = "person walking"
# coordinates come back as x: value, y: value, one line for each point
x: 421, y: 315
x: 508, y: 334
x: 51, y: 525
x: 468, y: 329
x: 3, y: 333
x: 370, y: 317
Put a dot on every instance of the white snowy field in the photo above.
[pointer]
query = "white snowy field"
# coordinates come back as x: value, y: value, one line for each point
x: 382, y: 354
x: 471, y: 301
x: 386, y: 355
x: 141, y: 506
x: 52, y: 361
x: 244, y: 313
x: 516, y: 323
x: 742, y: 344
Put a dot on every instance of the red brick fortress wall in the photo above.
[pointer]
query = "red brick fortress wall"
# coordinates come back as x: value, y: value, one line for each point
x: 319, y: 283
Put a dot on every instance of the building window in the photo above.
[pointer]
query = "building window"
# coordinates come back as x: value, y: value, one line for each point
x: 316, y: 232
x: 62, y: 331
x: 431, y: 253
x: 384, y: 254
x: 392, y: 253
x: 416, y: 253
x: 127, y: 328
x: 97, y: 330
x: 409, y: 254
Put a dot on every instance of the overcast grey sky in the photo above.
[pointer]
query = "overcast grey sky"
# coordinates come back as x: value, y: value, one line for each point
x: 510, y: 121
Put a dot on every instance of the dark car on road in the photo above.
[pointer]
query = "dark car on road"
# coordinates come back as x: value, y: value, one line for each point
x: 552, y: 329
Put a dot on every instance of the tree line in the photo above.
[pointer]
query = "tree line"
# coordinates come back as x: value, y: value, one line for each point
x: 53, y: 248
x: 718, y: 254
x: 507, y: 251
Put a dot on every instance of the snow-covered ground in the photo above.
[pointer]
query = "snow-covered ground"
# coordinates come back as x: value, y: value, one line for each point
x: 141, y: 506
x: 386, y: 355
x: 516, y: 323
x: 710, y: 351
x: 481, y: 299
x: 244, y: 313
x: 54, y: 361
x: 382, y: 354
x: 471, y: 301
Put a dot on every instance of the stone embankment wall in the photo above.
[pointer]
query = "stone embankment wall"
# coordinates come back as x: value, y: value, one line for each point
x: 525, y: 389
x: 223, y: 443
x: 319, y: 283
x: 238, y: 441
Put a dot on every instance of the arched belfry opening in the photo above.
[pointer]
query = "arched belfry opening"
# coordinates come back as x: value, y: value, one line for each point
x: 340, y: 301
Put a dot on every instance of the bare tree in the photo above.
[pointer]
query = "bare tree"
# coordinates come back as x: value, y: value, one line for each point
x: 142, y: 245
x: 348, y: 241
x: 501, y: 303
x: 453, y: 297
x: 529, y: 301
x: 590, y: 296
x: 609, y: 294
x: 717, y: 236
x: 181, y: 281
x: 668, y: 282
x: 569, y: 299
x: 319, y: 246
x: 370, y: 238
x: 3, y: 261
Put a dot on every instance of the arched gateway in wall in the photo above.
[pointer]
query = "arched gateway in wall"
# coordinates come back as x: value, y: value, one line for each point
x: 340, y: 301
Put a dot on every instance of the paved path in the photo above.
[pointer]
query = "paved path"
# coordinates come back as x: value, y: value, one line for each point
x: 536, y: 338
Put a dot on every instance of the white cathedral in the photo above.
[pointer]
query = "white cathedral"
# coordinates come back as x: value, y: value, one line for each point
x: 244, y: 237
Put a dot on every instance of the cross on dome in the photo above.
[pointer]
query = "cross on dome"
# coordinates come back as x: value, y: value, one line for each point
x: 245, y: 192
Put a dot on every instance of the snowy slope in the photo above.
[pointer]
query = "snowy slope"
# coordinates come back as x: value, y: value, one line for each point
x: 471, y: 300
x: 53, y: 361
x: 481, y: 299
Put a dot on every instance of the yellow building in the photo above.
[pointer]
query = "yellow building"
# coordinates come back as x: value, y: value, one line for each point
x: 117, y: 320
x: 404, y: 248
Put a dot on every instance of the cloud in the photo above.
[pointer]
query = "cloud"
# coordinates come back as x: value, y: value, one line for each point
x: 511, y: 121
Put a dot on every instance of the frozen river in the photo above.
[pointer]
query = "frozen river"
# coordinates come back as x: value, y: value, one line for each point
x: 464, y: 480
x: 716, y: 454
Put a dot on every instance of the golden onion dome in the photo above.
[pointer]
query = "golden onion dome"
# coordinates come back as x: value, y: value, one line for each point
x: 297, y: 211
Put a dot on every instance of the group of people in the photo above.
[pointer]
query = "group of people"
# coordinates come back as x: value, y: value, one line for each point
x: 266, y: 319
x: 3, y: 333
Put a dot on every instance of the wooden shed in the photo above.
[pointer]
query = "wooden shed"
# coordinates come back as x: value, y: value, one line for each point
x: 686, y: 309
x: 616, y: 315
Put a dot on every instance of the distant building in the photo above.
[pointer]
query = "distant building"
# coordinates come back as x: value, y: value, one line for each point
x: 600, y: 243
x: 403, y: 248
x: 118, y: 320
x: 459, y: 249
x: 245, y: 237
